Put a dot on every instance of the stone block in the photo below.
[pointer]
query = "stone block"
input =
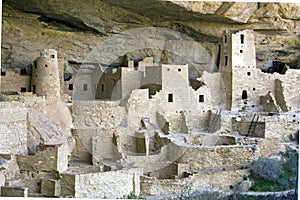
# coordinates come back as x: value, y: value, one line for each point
x: 14, y: 191
x: 51, y: 188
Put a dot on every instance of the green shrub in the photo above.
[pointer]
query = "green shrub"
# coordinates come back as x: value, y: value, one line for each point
x: 266, y: 168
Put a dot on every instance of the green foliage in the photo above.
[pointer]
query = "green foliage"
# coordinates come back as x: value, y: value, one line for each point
x: 133, y: 196
x: 291, y: 163
x: 266, y: 168
x: 285, y: 180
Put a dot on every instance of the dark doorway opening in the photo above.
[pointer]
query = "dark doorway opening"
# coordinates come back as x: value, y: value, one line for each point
x: 170, y: 98
x: 244, y: 95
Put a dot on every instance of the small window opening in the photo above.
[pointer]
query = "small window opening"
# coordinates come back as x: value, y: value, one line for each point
x: 3, y: 73
x: 85, y: 87
x: 23, y: 71
x: 201, y: 98
x: 102, y: 87
x: 23, y: 89
x: 253, y: 89
x: 225, y: 38
x: 70, y: 86
x: 242, y: 38
x: 241, y: 51
x: 226, y: 60
x: 179, y: 70
x: 244, y: 95
x: 249, y: 73
x: 168, y: 69
x: 170, y: 98
x: 46, y: 65
x: 52, y: 56
x: 33, y: 89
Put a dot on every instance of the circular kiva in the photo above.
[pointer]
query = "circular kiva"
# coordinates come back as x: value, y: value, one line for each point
x: 149, y: 119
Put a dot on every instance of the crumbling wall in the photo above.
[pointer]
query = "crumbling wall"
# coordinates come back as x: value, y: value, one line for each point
x: 52, y: 158
x: 13, y: 135
x: 32, y: 180
x: 287, y: 90
x: 269, y: 103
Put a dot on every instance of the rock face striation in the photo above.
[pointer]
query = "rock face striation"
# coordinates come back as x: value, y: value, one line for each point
x: 75, y: 28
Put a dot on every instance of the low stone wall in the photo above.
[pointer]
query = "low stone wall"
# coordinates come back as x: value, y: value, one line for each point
x: 221, y: 180
x: 219, y: 157
x: 13, y: 191
x: 50, y: 159
x: 112, y: 184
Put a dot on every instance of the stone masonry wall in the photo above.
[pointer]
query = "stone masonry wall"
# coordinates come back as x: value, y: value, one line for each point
x: 49, y: 159
x: 100, y: 114
x: 13, y: 82
x: 217, y: 157
x: 13, y: 135
x: 220, y: 180
x: 100, y: 184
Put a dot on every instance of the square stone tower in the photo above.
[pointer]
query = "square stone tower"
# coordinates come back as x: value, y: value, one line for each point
x: 237, y: 61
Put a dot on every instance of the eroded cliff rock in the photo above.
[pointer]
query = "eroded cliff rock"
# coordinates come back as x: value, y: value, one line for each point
x: 74, y: 28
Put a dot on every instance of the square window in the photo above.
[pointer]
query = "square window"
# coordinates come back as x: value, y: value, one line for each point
x: 241, y: 51
x: 85, y: 87
x: 52, y: 56
x: 23, y: 89
x: 179, y: 70
x: 46, y: 65
x: 3, y: 73
x: 70, y: 86
x: 201, y: 98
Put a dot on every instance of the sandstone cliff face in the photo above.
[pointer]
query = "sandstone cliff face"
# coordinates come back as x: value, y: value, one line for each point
x: 75, y: 27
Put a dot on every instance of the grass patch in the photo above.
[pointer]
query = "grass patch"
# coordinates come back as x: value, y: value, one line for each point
x: 286, y: 180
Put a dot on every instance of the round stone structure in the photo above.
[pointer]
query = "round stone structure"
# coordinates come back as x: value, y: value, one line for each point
x: 45, y: 75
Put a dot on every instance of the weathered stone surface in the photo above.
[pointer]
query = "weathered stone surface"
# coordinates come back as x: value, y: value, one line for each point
x: 99, y: 184
x: 43, y: 131
x: 70, y: 27
x: 14, y: 191
x: 51, y: 188
x: 13, y: 135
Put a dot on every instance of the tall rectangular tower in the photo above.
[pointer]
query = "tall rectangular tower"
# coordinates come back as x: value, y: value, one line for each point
x: 237, y: 58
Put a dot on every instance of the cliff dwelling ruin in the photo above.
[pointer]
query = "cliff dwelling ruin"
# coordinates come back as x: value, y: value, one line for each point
x: 146, y: 128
